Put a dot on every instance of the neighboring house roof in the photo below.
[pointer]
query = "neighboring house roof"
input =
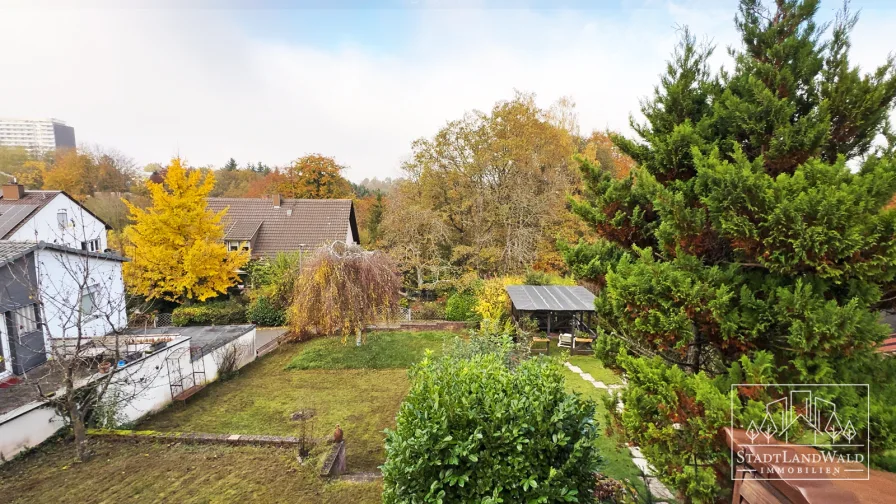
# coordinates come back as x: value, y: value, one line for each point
x: 297, y: 224
x: 242, y: 229
x: 12, y: 250
x: 550, y: 298
x: 888, y: 346
x: 15, y: 213
x: 209, y: 338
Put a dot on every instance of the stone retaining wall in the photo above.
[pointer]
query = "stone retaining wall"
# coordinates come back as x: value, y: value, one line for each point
x: 197, y: 437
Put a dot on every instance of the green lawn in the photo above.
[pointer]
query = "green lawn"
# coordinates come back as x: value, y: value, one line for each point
x: 617, y: 461
x: 591, y: 365
x: 382, y: 350
x: 261, y: 399
x: 358, y: 388
x: 150, y: 472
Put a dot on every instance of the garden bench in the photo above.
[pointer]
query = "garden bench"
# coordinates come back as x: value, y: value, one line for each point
x: 566, y: 340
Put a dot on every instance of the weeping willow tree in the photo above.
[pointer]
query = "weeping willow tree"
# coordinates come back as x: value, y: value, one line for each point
x: 341, y: 290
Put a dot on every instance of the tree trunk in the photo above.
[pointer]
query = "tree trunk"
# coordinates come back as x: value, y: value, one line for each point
x: 419, y: 278
x: 78, y: 429
x: 358, y: 338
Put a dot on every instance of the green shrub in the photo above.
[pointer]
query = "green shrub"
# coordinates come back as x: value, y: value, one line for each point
x: 263, y: 312
x: 214, y: 313
x: 430, y: 311
x: 460, y: 306
x: 275, y: 277
x: 472, y: 430
x: 493, y: 337
x: 607, y: 348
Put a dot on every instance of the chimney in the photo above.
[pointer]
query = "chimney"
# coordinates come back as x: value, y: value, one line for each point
x: 276, y: 198
x: 13, y: 191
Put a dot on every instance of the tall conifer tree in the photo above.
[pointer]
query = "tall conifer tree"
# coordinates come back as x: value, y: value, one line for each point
x: 752, y: 241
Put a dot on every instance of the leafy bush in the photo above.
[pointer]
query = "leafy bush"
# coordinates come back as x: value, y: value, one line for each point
x: 263, y: 312
x: 493, y: 337
x: 429, y: 311
x: 215, y: 313
x: 472, y: 430
x: 607, y: 349
x: 686, y: 412
x: 492, y: 301
x: 460, y: 306
x: 275, y: 278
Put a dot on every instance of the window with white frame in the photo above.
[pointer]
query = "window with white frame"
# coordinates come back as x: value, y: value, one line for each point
x: 91, y: 245
x: 24, y: 319
x: 89, y: 300
x: 62, y: 218
x: 234, y: 245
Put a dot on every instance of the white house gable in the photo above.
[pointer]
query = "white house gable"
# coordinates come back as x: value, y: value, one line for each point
x: 63, y: 221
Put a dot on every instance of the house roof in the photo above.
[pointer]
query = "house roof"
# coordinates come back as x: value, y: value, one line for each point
x: 12, y: 250
x: 888, y: 346
x: 550, y: 298
x: 209, y: 338
x: 15, y: 213
x: 297, y: 224
x: 242, y: 229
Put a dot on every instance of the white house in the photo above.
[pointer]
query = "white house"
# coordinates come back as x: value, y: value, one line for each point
x: 48, y: 293
x: 51, y: 217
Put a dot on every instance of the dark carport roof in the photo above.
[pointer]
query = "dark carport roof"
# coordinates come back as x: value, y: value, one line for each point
x: 550, y: 298
x: 210, y: 338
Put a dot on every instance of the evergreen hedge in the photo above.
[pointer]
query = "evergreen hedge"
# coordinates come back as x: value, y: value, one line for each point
x: 473, y: 430
x: 214, y: 313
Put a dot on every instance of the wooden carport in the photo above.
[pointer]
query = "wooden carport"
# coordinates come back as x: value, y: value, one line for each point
x: 557, y: 309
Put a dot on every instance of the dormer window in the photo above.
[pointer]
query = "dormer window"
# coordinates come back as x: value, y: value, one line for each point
x: 62, y: 218
x: 235, y: 245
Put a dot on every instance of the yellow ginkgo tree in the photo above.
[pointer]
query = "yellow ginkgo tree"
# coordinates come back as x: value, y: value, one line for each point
x: 176, y: 246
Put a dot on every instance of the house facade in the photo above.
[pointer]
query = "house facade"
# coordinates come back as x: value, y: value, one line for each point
x: 50, y: 292
x: 268, y: 226
x: 51, y: 217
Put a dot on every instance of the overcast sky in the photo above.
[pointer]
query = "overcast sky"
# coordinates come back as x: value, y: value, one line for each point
x: 358, y: 84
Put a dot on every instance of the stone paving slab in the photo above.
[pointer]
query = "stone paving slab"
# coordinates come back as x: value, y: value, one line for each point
x: 658, y: 489
x: 574, y: 369
x: 587, y: 377
x: 643, y: 465
x: 599, y: 384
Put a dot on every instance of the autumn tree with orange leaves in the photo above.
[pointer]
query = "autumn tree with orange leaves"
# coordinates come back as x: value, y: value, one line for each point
x: 315, y: 177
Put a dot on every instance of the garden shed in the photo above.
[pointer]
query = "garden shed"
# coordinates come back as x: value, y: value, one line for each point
x: 557, y: 309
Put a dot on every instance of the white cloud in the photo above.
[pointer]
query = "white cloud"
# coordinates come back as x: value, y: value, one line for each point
x: 153, y: 83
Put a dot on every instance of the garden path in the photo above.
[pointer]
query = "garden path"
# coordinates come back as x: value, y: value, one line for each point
x: 656, y: 487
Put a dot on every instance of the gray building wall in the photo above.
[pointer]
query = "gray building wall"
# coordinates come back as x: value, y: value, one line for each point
x: 64, y: 135
x: 18, y: 284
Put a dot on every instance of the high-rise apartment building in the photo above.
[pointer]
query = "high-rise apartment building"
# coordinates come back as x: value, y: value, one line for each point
x: 36, y: 135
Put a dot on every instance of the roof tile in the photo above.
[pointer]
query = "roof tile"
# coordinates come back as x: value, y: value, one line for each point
x: 297, y: 224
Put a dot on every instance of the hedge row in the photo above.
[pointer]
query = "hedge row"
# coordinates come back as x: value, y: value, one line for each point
x: 215, y: 313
